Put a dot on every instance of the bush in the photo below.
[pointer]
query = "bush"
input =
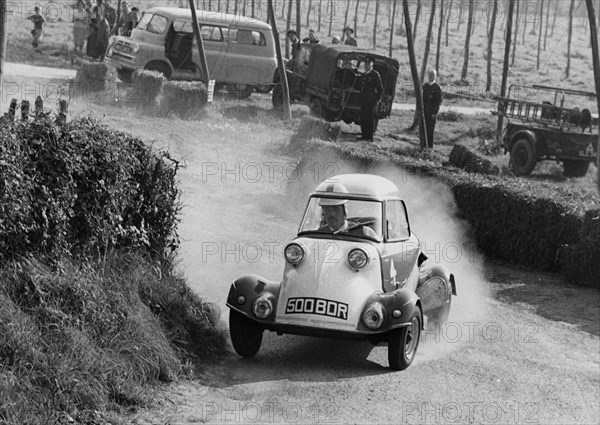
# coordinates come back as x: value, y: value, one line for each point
x: 183, y: 99
x: 582, y: 260
x: 315, y: 128
x: 82, y: 189
x: 463, y: 157
x: 95, y: 77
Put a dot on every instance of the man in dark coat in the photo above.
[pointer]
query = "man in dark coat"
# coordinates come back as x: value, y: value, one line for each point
x: 350, y: 40
x: 432, y: 99
x: 370, y: 95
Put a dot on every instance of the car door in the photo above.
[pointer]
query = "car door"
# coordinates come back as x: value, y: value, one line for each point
x: 400, y: 249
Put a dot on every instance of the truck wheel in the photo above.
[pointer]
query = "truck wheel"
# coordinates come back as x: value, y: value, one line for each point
x: 277, y: 97
x: 522, y: 157
x: 404, y: 343
x: 159, y: 67
x: 246, y: 334
x: 125, y: 75
x: 574, y: 168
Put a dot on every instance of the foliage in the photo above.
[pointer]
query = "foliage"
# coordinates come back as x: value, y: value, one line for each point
x: 83, y: 338
x: 183, y: 99
x: 148, y: 86
x: 82, y: 189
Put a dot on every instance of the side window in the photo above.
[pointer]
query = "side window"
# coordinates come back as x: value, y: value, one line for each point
x: 183, y: 26
x: 397, y: 222
x: 157, y: 25
x: 211, y: 33
x: 247, y: 37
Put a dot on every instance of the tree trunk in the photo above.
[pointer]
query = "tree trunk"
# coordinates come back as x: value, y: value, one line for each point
x: 468, y: 41
x: 460, y: 16
x: 320, y: 8
x: 417, y: 17
x: 203, y: 64
x: 308, y: 14
x: 356, y: 18
x: 288, y: 26
x: 596, y: 66
x: 375, y: 24
x: 525, y: 6
x: 366, y: 11
x: 425, y: 56
x: 569, y: 37
x: 448, y: 20
x: 554, y: 18
x: 346, y: 19
x: 514, y: 51
x: 330, y: 16
x: 392, y: 26
x: 287, y: 113
x: 547, y: 20
x: 2, y: 39
x: 507, y: 42
x: 298, y: 18
x: 439, y: 38
x: 415, y: 74
x: 488, y: 83
x: 540, y: 35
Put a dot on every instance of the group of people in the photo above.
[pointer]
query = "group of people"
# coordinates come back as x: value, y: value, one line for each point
x: 92, y: 25
x: 350, y: 40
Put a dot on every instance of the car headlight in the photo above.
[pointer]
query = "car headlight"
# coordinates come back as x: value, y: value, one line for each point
x: 358, y: 258
x: 294, y: 253
x: 373, y: 316
x: 262, y: 307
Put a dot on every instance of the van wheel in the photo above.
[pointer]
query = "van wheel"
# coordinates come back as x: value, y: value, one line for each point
x: 574, y: 168
x: 522, y: 157
x: 159, y: 67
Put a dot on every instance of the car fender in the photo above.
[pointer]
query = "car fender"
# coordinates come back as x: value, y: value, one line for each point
x: 252, y: 287
x: 402, y: 300
x: 435, y: 288
x: 529, y: 135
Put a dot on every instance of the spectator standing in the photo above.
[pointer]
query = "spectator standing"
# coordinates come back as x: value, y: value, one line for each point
x: 432, y: 99
x: 81, y: 27
x: 99, y: 34
x: 312, y: 38
x: 38, y: 26
x: 294, y: 42
x: 127, y: 21
x: 370, y: 94
x: 110, y: 14
x: 350, y: 40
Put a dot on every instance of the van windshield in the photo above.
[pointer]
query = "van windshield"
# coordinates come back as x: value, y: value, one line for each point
x: 156, y: 24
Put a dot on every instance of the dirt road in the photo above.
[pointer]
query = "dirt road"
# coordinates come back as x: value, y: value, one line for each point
x: 521, y: 347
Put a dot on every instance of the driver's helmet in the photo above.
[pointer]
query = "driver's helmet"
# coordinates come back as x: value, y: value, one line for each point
x: 332, y: 188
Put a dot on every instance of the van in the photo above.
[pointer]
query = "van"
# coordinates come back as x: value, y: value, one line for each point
x: 239, y: 50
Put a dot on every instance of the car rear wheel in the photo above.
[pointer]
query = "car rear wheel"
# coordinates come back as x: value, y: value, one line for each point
x: 246, y: 334
x: 574, y: 168
x: 404, y: 343
x: 523, y: 157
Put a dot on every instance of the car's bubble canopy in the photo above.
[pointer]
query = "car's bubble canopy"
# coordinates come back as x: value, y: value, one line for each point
x: 358, y: 185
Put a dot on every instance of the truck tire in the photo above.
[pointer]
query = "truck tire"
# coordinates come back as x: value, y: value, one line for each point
x: 159, y: 67
x: 575, y: 168
x: 523, y: 157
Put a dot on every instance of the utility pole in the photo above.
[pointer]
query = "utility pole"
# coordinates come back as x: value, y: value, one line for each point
x: 203, y: 64
x: 2, y: 38
x: 280, y: 65
x: 596, y: 65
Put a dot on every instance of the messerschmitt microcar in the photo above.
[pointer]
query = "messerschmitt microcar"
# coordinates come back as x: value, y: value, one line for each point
x: 355, y: 271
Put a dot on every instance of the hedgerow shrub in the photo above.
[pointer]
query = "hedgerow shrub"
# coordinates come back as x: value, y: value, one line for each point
x: 83, y: 189
x: 183, y: 99
x: 147, y: 86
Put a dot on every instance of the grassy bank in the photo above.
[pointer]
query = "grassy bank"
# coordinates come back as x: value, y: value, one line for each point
x: 91, y: 311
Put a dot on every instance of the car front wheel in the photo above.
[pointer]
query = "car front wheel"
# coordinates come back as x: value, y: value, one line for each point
x: 404, y: 342
x: 246, y: 334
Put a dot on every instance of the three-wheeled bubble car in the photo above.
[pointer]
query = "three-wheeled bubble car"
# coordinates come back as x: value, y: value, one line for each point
x: 355, y: 271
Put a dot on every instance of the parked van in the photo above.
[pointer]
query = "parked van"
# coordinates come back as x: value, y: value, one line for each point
x: 239, y: 50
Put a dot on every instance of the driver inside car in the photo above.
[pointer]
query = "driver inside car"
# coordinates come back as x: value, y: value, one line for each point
x: 334, y: 213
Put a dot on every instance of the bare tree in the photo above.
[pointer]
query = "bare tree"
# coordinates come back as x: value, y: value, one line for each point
x: 287, y: 112
x: 298, y: 18
x: 308, y: 13
x: 596, y: 66
x: 2, y: 38
x: 346, y: 19
x: 392, y: 26
x: 554, y: 18
x: 448, y: 20
x: 439, y: 38
x: 425, y: 56
x: 417, y: 17
x: 366, y: 12
x: 465, y: 68
x: 415, y: 74
x: 507, y: 43
x: 540, y: 35
x: 488, y: 83
x: 288, y: 26
x: 320, y: 9
x: 525, y: 5
x: 569, y: 38
x: 514, y: 50
x: 355, y: 18
x: 330, y: 16
x: 375, y: 24
x: 460, y: 15
x: 547, y: 20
